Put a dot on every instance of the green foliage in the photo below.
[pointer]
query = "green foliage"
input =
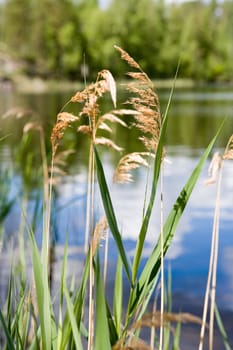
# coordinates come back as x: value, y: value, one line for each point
x: 157, y: 34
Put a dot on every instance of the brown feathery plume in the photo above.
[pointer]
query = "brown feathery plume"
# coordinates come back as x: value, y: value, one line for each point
x: 89, y: 96
x: 127, y: 163
x: 64, y: 119
x: 18, y: 112
x: 125, y: 56
x: 154, y: 319
x: 214, y: 167
x: 104, y: 141
x: 59, y: 163
x: 32, y: 126
x: 133, y: 344
x: 99, y: 232
x: 228, y: 154
x: 111, y: 84
x: 148, y: 118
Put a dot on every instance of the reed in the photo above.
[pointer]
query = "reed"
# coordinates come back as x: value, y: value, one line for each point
x: 83, y: 317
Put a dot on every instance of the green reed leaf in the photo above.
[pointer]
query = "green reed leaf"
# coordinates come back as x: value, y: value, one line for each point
x: 78, y: 303
x: 110, y: 214
x: 43, y: 294
x: 72, y: 318
x: 221, y: 328
x: 10, y: 344
x: 118, y: 297
x: 62, y: 284
x: 102, y: 339
x: 152, y: 267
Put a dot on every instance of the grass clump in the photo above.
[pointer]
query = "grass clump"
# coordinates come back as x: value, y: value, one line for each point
x: 83, y: 317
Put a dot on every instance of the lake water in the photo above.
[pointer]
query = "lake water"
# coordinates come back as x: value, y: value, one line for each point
x: 195, y: 116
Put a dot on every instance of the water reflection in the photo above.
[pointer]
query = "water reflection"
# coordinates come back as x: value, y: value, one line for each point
x: 194, y: 118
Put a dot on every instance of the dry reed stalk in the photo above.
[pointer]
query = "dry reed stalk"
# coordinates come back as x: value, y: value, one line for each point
x: 89, y: 98
x: 215, y: 173
x: 161, y: 337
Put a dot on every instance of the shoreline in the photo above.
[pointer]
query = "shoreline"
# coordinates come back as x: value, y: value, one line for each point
x: 37, y: 85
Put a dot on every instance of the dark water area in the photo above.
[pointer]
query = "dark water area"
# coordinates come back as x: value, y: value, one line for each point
x: 195, y: 116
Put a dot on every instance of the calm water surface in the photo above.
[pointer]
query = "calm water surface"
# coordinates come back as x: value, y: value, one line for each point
x: 195, y: 116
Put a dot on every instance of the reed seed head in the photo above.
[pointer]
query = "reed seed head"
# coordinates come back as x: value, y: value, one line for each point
x: 64, y: 119
x: 145, y: 102
x: 214, y: 167
x: 228, y: 154
x: 99, y: 232
x: 128, y: 163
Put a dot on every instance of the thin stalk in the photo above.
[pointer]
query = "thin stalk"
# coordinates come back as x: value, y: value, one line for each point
x: 152, y: 333
x: 45, y: 166
x: 146, y: 189
x: 48, y: 211
x: 91, y: 271
x: 215, y: 259
x: 161, y: 336
x: 211, y: 264
x: 89, y: 182
x: 106, y: 259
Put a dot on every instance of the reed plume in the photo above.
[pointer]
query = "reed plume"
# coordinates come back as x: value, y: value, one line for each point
x: 148, y: 120
x: 145, y: 102
x: 228, y: 154
x: 127, y: 163
x: 64, y: 119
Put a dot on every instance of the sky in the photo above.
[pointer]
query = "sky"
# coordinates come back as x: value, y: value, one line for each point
x: 104, y: 3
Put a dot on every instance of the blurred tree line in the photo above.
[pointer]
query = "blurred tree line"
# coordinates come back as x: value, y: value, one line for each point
x: 57, y: 38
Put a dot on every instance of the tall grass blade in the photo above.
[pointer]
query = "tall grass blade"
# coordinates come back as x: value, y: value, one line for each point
x: 118, y: 297
x: 176, y: 344
x: 43, y: 295
x: 111, y: 325
x: 221, y: 328
x: 109, y: 211
x: 62, y: 284
x: 150, y: 271
x: 75, y: 330
x: 79, y: 302
x: 102, y: 339
x: 10, y: 344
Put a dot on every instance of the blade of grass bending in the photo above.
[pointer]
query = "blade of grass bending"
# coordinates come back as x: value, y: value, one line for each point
x: 109, y: 211
x: 221, y: 328
x: 10, y: 344
x: 156, y: 172
x: 118, y: 297
x: 79, y: 302
x: 75, y: 330
x: 152, y: 266
x: 176, y: 344
x: 102, y: 339
x: 62, y: 283
x: 19, y: 312
x: 42, y: 293
x: 112, y: 327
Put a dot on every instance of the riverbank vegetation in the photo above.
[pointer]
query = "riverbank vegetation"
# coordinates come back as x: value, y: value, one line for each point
x: 72, y: 39
x: 80, y: 315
